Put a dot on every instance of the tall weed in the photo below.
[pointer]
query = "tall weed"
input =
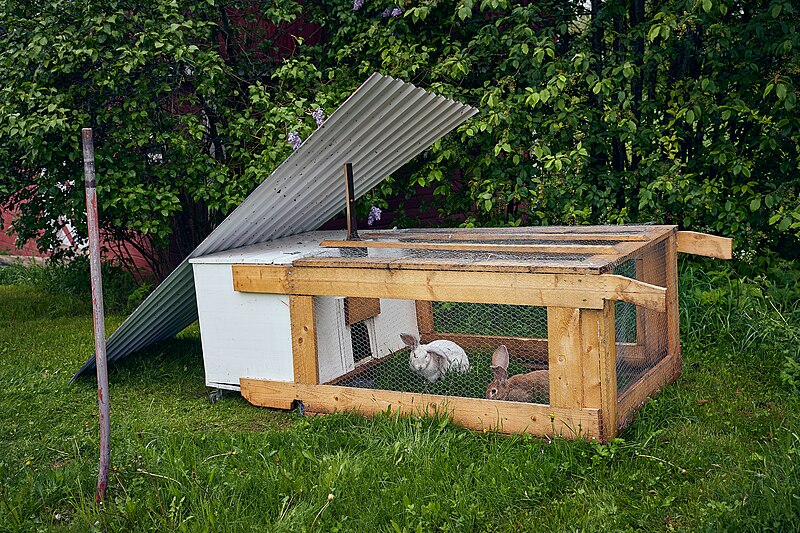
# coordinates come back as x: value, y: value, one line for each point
x: 745, y: 314
x: 121, y: 292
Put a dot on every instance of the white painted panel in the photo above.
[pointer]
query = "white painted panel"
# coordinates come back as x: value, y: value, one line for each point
x: 334, y: 344
x: 243, y: 334
x: 396, y: 317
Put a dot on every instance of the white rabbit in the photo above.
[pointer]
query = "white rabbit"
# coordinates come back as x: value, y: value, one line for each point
x: 432, y: 360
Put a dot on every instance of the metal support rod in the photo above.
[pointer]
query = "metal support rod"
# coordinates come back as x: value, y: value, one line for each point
x: 352, y: 225
x: 97, y: 311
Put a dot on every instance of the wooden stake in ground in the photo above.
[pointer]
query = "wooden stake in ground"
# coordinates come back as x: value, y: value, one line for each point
x: 97, y: 311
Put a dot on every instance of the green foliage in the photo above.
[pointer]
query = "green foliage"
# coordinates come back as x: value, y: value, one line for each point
x: 681, y: 111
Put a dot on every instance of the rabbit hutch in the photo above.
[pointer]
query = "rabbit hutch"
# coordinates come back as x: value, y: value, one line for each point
x: 589, y: 314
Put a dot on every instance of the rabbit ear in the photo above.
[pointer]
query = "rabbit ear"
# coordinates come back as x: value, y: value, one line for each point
x: 500, y: 374
x: 438, y: 355
x: 500, y: 357
x: 409, y: 340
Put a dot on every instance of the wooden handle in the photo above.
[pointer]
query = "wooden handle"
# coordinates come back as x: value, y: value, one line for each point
x: 692, y: 242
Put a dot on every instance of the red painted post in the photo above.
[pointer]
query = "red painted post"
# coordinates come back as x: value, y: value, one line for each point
x: 97, y: 310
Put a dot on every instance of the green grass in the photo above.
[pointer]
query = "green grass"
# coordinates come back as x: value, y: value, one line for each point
x: 719, y: 450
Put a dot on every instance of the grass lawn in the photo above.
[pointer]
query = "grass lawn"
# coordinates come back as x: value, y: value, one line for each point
x: 719, y: 450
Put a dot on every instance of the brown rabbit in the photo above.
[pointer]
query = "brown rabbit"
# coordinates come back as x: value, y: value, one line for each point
x: 519, y: 388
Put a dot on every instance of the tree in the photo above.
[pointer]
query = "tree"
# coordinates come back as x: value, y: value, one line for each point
x: 615, y: 111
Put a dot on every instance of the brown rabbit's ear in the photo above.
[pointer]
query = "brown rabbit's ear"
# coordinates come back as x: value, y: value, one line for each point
x: 500, y: 357
x: 409, y: 340
x: 500, y: 374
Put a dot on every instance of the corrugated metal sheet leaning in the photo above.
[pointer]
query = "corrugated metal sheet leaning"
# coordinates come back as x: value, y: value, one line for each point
x: 384, y: 124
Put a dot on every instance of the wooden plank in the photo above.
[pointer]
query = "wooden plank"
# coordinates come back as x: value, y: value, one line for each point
x: 564, y: 290
x: 582, y: 358
x: 304, y: 339
x: 474, y: 413
x: 593, y: 265
x: 360, y: 309
x: 424, y: 318
x: 462, y: 235
x: 692, y: 242
x: 564, y: 357
x: 673, y: 316
x: 572, y: 249
x: 520, y: 348
x: 641, y: 229
x: 635, y: 396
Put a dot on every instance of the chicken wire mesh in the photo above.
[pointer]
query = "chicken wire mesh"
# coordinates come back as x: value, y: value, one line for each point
x: 441, y: 348
x: 641, y: 334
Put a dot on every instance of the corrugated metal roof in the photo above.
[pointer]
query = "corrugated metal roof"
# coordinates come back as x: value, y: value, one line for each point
x: 380, y: 127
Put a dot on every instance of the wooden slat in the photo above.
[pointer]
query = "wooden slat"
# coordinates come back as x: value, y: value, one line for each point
x: 424, y: 318
x: 692, y: 242
x: 601, y: 323
x: 304, y: 339
x: 474, y: 413
x: 572, y: 249
x: 594, y: 265
x: 360, y: 309
x: 635, y: 396
x: 562, y: 290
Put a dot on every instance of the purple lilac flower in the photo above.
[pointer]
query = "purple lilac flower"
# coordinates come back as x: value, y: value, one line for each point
x: 358, y: 4
x: 374, y: 215
x: 396, y: 12
x: 387, y: 12
x: 319, y: 116
x: 295, y: 140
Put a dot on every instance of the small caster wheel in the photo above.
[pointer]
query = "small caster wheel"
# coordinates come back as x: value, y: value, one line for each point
x: 298, y: 406
x: 215, y: 396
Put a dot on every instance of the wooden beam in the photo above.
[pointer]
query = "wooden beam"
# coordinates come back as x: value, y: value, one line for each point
x: 424, y: 318
x: 692, y: 242
x: 572, y: 249
x: 599, y: 334
x: 564, y: 290
x: 673, y: 315
x: 474, y: 413
x: 582, y: 358
x: 304, y: 339
x: 360, y: 309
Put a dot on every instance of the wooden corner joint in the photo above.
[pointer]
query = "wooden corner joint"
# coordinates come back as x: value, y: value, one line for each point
x: 692, y: 242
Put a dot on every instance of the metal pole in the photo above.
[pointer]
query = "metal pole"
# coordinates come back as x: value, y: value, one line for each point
x: 97, y: 310
x: 352, y: 226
